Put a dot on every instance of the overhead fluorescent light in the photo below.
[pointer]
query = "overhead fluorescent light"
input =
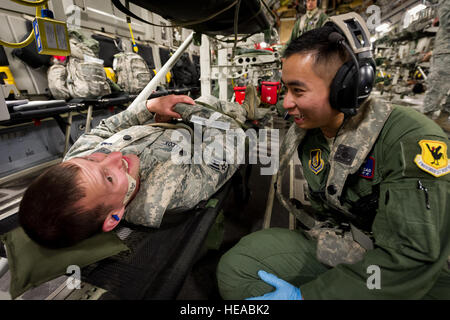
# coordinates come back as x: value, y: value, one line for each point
x: 416, y: 9
x: 103, y: 13
x: 110, y: 16
x: 384, y: 27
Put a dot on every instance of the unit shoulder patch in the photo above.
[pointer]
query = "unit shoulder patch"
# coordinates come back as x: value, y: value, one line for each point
x: 433, y: 158
x: 316, y: 162
x: 367, y: 169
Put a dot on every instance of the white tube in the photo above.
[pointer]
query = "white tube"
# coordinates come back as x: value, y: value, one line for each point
x: 223, y: 74
x: 151, y: 86
x: 205, y: 67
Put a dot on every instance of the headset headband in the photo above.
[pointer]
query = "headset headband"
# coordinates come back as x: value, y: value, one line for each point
x: 353, y: 27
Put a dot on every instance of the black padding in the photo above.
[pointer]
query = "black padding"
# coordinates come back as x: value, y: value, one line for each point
x: 185, y: 72
x: 366, y: 78
x: 351, y: 86
x: 164, y: 55
x: 29, y: 54
x: 146, y: 53
x: 252, y: 17
x: 335, y: 37
x: 196, y: 60
x: 3, y: 57
x: 108, y: 48
x: 342, y: 90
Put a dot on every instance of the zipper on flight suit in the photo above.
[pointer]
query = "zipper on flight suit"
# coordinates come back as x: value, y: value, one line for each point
x: 425, y: 190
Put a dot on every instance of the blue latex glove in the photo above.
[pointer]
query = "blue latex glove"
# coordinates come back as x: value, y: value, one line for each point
x: 284, y: 290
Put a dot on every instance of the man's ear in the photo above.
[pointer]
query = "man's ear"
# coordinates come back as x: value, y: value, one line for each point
x: 111, y: 219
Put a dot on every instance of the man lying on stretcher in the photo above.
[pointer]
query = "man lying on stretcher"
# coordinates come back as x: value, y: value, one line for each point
x: 125, y: 169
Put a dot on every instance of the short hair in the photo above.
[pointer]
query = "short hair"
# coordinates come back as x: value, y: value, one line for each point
x: 325, y: 52
x: 50, y: 212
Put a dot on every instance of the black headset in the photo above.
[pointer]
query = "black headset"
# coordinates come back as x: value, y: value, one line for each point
x: 354, y: 80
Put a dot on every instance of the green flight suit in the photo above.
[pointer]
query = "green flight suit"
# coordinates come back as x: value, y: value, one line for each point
x: 393, y: 161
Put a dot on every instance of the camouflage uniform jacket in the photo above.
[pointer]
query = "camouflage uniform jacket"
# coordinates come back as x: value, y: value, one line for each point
x: 442, y: 40
x: 165, y: 185
x: 309, y: 21
x: 387, y: 173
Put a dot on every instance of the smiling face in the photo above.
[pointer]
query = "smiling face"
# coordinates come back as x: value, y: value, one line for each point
x: 105, y: 178
x: 307, y: 97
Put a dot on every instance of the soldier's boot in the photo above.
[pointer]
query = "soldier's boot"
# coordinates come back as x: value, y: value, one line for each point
x: 251, y: 102
x: 443, y: 121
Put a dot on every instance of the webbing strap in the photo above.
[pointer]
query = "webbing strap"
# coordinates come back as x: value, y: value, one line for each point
x: 361, y: 238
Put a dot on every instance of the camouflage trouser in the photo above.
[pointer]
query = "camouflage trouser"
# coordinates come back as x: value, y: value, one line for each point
x: 290, y: 255
x: 438, y: 85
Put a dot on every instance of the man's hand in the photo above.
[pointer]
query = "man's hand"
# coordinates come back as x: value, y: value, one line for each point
x: 284, y: 290
x: 163, y: 106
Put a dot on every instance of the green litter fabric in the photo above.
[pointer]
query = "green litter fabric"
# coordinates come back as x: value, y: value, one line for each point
x: 31, y: 264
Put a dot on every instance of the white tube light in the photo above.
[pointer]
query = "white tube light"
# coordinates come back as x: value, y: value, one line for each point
x: 383, y: 27
x: 103, y: 13
x: 416, y: 9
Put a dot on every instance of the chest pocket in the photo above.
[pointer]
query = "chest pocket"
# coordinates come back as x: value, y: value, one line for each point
x: 166, y: 146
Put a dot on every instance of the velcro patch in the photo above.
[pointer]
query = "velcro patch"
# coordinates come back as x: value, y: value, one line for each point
x: 345, y: 154
x: 433, y: 158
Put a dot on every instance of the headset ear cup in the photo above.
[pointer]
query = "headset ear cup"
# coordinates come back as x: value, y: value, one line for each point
x: 366, y: 79
x: 342, y: 89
